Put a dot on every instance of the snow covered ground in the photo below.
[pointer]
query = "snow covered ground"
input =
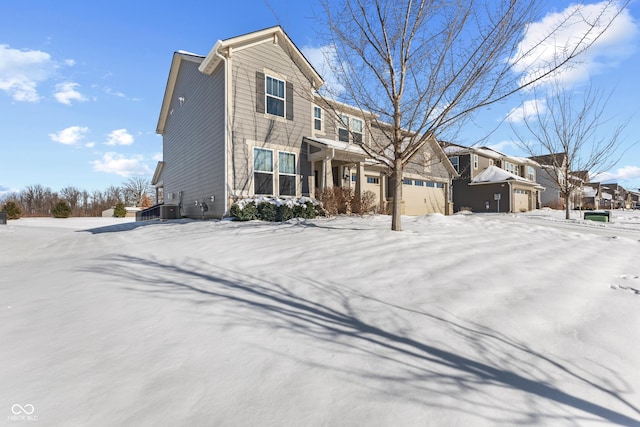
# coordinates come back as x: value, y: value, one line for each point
x: 467, y: 320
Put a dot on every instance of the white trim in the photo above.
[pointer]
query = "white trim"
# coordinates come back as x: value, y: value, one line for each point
x: 294, y: 174
x: 315, y: 131
x: 253, y: 171
x: 267, y: 95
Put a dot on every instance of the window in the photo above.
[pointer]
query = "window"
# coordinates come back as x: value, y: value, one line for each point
x: 343, y: 128
x: 356, y: 130
x: 490, y: 162
x: 419, y: 183
x: 475, y: 161
x: 262, y: 171
x: 531, y: 173
x: 439, y: 185
x: 431, y: 184
x: 275, y: 96
x: 373, y: 180
x: 455, y: 161
x: 286, y: 174
x: 353, y: 178
x: 317, y: 118
x: 407, y: 181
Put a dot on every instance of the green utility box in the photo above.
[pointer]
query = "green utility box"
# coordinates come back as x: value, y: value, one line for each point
x: 602, y: 216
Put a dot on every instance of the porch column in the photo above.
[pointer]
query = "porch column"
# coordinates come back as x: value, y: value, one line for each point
x: 359, y: 179
x: 327, y: 173
x: 383, y: 191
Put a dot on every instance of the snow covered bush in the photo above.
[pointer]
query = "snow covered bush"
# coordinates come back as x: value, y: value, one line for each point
x: 275, y: 209
x: 61, y: 210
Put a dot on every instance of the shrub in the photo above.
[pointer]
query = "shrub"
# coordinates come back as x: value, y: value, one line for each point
x: 284, y: 212
x: 61, y: 210
x: 12, y: 210
x: 275, y: 209
x: 364, y: 204
x: 267, y: 211
x: 244, y: 212
x: 119, y: 211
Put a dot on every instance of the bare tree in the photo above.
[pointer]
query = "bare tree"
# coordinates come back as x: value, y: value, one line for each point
x: 563, y: 126
x: 72, y: 196
x: 135, y: 188
x: 423, y: 67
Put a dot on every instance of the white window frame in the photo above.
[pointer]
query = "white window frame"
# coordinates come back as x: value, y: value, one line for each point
x: 531, y: 173
x: 267, y: 95
x: 343, y: 120
x: 272, y: 172
x: 354, y: 132
x: 455, y: 165
x: 294, y: 174
x: 317, y: 119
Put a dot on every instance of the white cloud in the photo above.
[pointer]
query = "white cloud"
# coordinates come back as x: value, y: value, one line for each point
x: 325, y: 59
x: 605, y: 52
x: 625, y: 173
x: 527, y: 110
x: 112, y: 92
x: 504, y: 146
x: 66, y: 93
x: 70, y: 135
x: 120, y: 137
x: 90, y: 144
x: 22, y: 70
x: 120, y: 165
x: 69, y: 62
x: 157, y: 157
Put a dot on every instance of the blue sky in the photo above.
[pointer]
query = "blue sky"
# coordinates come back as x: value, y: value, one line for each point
x: 81, y: 83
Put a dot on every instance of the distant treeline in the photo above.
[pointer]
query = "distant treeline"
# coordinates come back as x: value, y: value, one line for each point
x: 37, y: 200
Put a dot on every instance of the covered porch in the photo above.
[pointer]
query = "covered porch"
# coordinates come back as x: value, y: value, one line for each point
x: 339, y: 164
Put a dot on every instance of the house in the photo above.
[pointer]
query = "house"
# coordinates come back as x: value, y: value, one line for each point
x: 246, y: 120
x: 551, y: 172
x: 491, y: 181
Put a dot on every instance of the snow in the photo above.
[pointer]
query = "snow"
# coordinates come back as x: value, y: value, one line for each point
x: 468, y: 320
x: 496, y: 174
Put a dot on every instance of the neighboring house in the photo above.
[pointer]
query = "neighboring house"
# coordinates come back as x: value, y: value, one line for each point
x: 551, y: 174
x: 246, y: 121
x: 614, y: 196
x: 592, y: 196
x: 490, y: 181
x: 634, y: 197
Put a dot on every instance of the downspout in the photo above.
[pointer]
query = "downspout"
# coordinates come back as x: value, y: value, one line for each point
x: 227, y: 79
x: 510, y: 197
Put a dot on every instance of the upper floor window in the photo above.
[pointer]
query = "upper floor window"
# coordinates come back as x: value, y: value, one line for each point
x: 317, y: 118
x: 475, y: 161
x: 262, y: 171
x: 275, y: 96
x: 455, y: 161
x: 356, y: 130
x: 531, y: 173
x: 343, y: 128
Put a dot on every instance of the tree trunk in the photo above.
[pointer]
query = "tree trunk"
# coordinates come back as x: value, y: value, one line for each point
x: 567, y: 211
x: 396, y: 213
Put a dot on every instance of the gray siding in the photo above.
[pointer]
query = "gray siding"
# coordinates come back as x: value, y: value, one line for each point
x: 194, y: 142
x: 252, y: 128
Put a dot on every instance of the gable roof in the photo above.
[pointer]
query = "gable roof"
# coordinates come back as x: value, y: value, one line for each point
x: 275, y: 34
x: 178, y: 57
x: 493, y: 174
x: 550, y: 159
